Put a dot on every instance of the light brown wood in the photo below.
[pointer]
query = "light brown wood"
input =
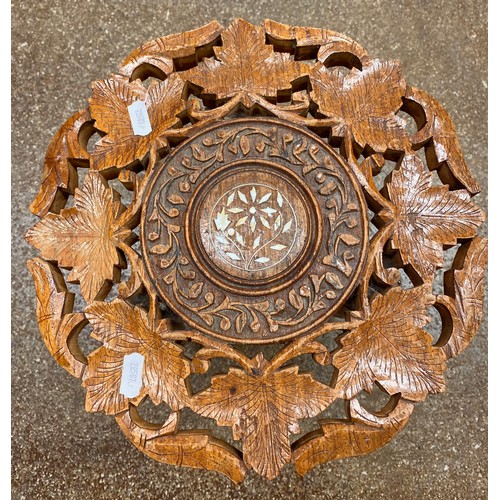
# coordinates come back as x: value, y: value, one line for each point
x: 252, y: 198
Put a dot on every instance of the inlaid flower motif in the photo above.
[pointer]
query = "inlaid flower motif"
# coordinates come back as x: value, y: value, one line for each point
x: 252, y: 226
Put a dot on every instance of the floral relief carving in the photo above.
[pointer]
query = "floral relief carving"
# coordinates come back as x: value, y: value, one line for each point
x: 278, y: 198
x: 327, y: 280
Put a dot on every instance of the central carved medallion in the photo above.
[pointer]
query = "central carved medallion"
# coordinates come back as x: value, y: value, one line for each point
x: 254, y: 230
x: 254, y: 222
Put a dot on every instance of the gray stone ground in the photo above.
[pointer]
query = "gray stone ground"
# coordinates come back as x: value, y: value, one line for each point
x: 60, y: 451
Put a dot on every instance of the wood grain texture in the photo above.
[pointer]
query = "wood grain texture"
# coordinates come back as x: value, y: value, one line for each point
x: 59, y: 174
x: 57, y: 322
x: 263, y: 407
x: 280, y: 197
x: 84, y: 237
x: 256, y: 229
x: 362, y: 434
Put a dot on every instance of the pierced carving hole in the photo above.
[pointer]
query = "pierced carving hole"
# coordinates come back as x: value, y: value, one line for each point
x: 336, y: 411
x: 438, y: 284
x: 70, y: 201
x: 82, y: 173
x: 307, y: 364
x: 421, y: 155
x: 151, y: 413
x: 415, y: 111
x: 200, y: 382
x: 344, y: 60
x: 380, y: 178
x: 191, y: 420
x: 446, y: 325
x: 268, y: 350
x: 79, y: 303
x: 376, y: 401
x: 85, y: 133
x: 86, y: 343
x: 405, y: 281
x: 147, y: 73
x: 93, y: 140
x: 435, y: 325
x: 411, y: 125
x: 126, y: 195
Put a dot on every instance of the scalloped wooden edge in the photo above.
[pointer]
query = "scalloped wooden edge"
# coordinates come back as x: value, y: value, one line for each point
x: 360, y: 435
x: 197, y: 449
x: 58, y: 325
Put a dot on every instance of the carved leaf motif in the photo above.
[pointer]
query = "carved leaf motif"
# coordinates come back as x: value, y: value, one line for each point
x: 53, y: 310
x: 340, y: 439
x: 305, y: 41
x: 391, y: 348
x: 161, y: 51
x: 364, y: 103
x: 108, y: 107
x: 445, y: 145
x: 84, y: 237
x: 124, y: 330
x: 58, y: 173
x: 196, y: 449
x: 467, y: 287
x: 263, y: 411
x: 245, y: 64
x: 428, y: 217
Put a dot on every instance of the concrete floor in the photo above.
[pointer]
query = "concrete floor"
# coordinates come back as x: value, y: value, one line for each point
x: 60, y: 451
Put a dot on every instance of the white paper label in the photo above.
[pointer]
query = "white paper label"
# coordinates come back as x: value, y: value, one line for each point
x: 139, y: 118
x: 131, y: 382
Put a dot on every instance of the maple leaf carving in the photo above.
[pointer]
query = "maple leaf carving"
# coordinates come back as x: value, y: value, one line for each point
x: 124, y: 329
x: 391, y: 348
x: 109, y: 108
x: 428, y: 217
x: 364, y: 103
x: 263, y: 410
x: 84, y: 237
x: 246, y: 64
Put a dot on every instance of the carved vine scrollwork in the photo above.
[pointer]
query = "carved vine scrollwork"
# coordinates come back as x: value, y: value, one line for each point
x: 320, y: 82
x: 224, y: 146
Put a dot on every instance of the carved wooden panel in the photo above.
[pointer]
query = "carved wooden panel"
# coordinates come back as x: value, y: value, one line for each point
x: 257, y: 185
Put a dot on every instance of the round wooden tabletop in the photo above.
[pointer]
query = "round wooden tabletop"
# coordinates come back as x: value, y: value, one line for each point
x: 237, y: 204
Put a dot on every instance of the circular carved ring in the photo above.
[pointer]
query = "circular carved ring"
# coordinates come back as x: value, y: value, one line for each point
x: 248, y: 241
x: 255, y: 162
